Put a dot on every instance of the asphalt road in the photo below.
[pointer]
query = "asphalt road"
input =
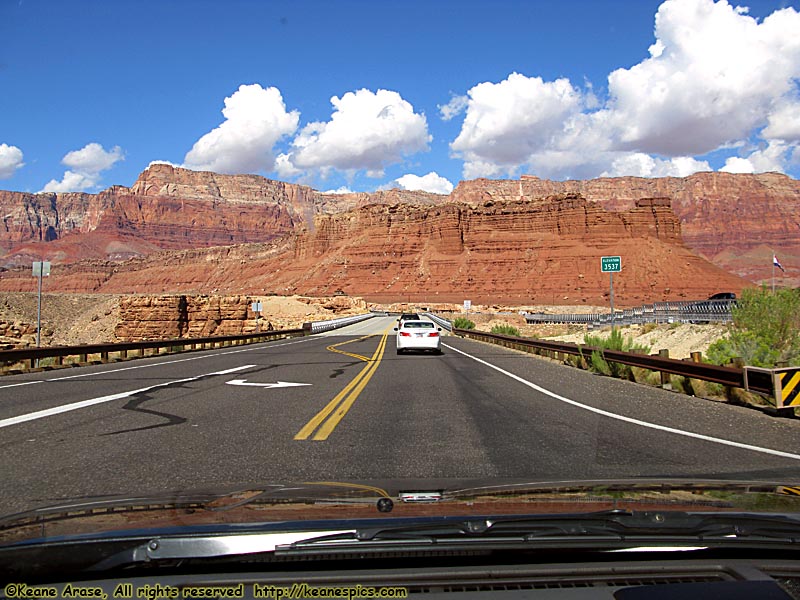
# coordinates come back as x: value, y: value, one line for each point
x: 478, y: 411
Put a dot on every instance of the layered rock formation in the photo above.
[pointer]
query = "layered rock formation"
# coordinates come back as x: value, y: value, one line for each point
x: 167, y: 208
x: 186, y: 316
x: 734, y: 220
x: 546, y: 251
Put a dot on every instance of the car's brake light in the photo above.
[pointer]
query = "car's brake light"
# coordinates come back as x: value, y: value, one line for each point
x: 434, y: 334
x: 405, y: 334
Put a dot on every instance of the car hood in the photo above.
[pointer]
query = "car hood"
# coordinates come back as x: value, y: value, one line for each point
x: 313, y: 505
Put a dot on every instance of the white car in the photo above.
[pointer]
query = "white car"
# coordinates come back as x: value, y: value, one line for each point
x: 418, y: 335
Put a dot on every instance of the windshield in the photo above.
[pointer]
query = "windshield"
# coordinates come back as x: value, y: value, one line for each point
x: 418, y: 325
x: 221, y: 221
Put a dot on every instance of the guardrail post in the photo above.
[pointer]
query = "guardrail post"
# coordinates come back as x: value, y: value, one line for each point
x: 697, y: 357
x: 104, y: 357
x: 665, y: 383
x: 83, y: 358
x: 307, y: 328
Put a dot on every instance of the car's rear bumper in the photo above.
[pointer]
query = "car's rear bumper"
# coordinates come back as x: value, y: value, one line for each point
x: 425, y: 343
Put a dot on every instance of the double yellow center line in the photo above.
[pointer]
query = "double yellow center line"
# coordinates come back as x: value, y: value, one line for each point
x: 326, y: 420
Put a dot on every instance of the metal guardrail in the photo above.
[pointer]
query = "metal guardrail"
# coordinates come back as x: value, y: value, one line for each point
x: 697, y: 311
x: 320, y: 326
x: 440, y: 321
x: 728, y: 376
x: 32, y: 356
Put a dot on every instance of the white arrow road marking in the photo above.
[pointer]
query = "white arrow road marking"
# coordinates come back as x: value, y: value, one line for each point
x: 84, y: 403
x: 280, y: 384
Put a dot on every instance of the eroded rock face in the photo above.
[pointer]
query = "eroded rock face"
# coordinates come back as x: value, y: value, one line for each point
x: 193, y: 316
x: 734, y: 220
x: 168, y: 208
x: 166, y: 317
x: 546, y: 251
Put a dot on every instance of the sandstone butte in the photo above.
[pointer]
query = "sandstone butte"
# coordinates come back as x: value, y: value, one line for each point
x: 529, y: 240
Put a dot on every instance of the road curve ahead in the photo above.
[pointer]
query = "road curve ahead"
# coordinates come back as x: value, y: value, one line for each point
x: 344, y: 406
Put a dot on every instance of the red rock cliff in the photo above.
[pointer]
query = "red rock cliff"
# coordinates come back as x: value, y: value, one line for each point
x: 510, y: 251
x: 734, y: 220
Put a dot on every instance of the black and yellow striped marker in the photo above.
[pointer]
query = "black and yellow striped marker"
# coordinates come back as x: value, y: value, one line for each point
x: 326, y: 420
x: 790, y: 387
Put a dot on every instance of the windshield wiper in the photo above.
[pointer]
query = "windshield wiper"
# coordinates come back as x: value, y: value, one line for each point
x: 619, y: 524
x: 608, y: 529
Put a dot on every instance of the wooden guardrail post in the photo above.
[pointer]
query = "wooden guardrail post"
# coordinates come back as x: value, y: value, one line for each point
x: 665, y: 383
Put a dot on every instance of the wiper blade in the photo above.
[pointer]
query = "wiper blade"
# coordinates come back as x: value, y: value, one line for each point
x: 608, y: 528
x: 620, y: 524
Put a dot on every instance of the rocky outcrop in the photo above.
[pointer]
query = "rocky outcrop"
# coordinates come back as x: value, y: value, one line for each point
x: 168, y: 208
x: 546, y: 251
x: 734, y: 220
x: 188, y: 316
x: 166, y: 317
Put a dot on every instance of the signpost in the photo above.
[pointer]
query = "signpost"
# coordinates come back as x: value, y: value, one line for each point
x: 467, y: 306
x: 40, y: 269
x: 256, y: 307
x: 611, y: 265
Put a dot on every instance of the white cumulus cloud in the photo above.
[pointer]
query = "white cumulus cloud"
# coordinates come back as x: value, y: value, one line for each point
x: 774, y: 157
x: 432, y: 182
x: 86, y: 166
x: 255, y: 119
x: 367, y: 131
x: 638, y: 164
x: 92, y: 158
x: 10, y: 160
x: 507, y: 122
x: 340, y: 190
x: 715, y: 78
x: 714, y: 75
x: 455, y: 107
x: 784, y: 123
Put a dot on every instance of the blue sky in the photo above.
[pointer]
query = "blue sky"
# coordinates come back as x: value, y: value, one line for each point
x: 362, y: 95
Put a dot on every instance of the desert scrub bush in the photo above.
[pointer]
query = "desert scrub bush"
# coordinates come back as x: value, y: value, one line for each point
x: 505, y: 329
x: 648, y: 327
x: 463, y: 323
x: 615, y: 341
x: 765, y: 330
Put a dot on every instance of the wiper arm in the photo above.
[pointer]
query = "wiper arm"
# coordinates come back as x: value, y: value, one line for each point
x: 602, y: 528
x: 620, y: 524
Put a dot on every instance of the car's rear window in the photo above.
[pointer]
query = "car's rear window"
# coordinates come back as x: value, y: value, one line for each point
x: 418, y: 325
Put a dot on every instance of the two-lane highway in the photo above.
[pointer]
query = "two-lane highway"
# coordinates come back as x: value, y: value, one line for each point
x: 344, y: 406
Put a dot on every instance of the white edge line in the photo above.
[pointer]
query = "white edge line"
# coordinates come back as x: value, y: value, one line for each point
x: 611, y: 415
x: 257, y: 346
x: 49, y: 412
x: 2, y: 387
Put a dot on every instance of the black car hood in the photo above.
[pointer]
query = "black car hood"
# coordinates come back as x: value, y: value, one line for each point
x: 295, y: 505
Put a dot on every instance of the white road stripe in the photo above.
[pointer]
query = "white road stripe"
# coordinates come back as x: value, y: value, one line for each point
x: 41, y: 414
x: 157, y: 364
x: 611, y: 415
x: 19, y: 384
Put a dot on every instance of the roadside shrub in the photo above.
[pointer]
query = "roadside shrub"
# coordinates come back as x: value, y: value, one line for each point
x: 463, y: 323
x: 615, y: 341
x: 765, y: 330
x: 648, y: 327
x: 505, y: 329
